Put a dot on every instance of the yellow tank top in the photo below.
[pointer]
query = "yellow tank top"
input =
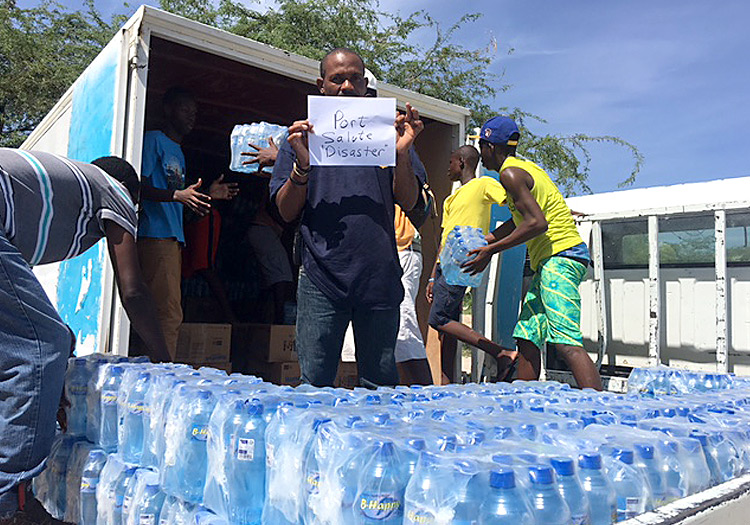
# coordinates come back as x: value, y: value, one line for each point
x: 561, y: 231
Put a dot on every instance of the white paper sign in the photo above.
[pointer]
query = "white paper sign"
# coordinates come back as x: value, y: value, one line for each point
x: 352, y: 131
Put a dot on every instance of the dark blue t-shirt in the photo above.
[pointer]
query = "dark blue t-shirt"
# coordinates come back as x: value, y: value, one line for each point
x: 349, y: 243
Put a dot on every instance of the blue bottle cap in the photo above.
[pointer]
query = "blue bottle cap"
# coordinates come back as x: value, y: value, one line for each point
x: 527, y: 431
x: 204, y: 393
x: 623, y: 454
x: 447, y: 442
x: 670, y: 446
x: 319, y: 421
x: 528, y: 457
x: 563, y: 466
x: 382, y: 418
x: 387, y: 448
x: 503, y: 459
x: 700, y: 436
x: 588, y: 420
x: 350, y: 420
x: 502, y: 479
x: 416, y: 443
x: 254, y: 409
x: 541, y: 475
x: 591, y: 461
x: 645, y: 450
x: 372, y: 399
x: 80, y: 362
x: 115, y: 370
x: 501, y: 432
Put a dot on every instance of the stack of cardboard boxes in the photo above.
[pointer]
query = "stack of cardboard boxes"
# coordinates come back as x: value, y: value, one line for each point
x: 262, y: 350
x: 267, y: 351
x: 205, y: 344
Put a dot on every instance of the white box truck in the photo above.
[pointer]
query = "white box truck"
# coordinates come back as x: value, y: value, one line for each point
x: 235, y: 80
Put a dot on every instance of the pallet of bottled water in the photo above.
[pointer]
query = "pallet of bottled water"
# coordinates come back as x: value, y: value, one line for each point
x: 256, y: 133
x: 662, y: 381
x: 460, y: 241
x: 167, y: 444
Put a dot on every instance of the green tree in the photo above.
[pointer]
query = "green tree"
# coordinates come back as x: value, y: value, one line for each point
x: 42, y: 51
x: 443, y: 68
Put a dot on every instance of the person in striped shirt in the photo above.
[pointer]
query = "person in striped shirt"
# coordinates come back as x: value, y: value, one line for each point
x: 53, y: 209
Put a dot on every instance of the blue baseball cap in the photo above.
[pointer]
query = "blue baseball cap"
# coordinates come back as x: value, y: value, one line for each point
x: 499, y: 130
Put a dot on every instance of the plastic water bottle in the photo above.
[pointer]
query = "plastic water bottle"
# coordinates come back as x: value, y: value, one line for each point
x: 571, y: 491
x: 108, y: 409
x: 647, y: 462
x: 147, y: 509
x: 459, y: 242
x: 630, y: 486
x: 470, y: 493
x: 121, y: 486
x: 257, y: 133
x: 547, y: 504
x: 696, y: 467
x: 674, y: 473
x: 131, y: 439
x: 380, y: 500
x: 505, y: 504
x: 76, y: 389
x: 247, y: 472
x: 192, y: 459
x: 601, y: 494
x: 89, y: 481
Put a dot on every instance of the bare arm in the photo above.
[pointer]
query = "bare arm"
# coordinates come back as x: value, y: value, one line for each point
x: 405, y: 187
x: 198, y: 202
x: 500, y: 232
x: 517, y: 183
x: 291, y: 197
x: 135, y: 296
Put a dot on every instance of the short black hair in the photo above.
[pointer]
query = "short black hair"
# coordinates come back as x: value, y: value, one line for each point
x: 470, y: 155
x: 122, y: 171
x: 345, y: 51
x: 176, y: 94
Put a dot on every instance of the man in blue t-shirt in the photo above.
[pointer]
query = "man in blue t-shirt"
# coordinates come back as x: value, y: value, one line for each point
x: 350, y: 267
x: 163, y: 191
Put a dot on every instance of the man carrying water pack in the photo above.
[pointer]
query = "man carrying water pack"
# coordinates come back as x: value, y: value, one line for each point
x: 551, y: 310
x: 350, y: 267
x: 52, y: 209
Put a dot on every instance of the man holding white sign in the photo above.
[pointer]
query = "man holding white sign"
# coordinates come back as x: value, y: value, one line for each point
x: 341, y: 172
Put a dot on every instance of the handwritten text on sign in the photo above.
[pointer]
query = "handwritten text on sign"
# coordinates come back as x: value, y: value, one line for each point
x: 352, y: 131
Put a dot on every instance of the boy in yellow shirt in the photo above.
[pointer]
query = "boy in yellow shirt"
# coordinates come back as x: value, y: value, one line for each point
x: 551, y: 310
x: 470, y: 205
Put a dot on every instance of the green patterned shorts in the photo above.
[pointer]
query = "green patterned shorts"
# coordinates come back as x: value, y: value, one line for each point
x: 551, y: 310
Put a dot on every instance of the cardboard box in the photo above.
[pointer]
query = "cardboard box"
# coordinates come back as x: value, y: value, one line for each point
x: 227, y: 367
x: 204, y: 343
x: 278, y: 373
x: 347, y: 375
x: 271, y: 343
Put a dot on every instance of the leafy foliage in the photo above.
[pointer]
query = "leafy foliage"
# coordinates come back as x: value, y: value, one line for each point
x: 42, y: 50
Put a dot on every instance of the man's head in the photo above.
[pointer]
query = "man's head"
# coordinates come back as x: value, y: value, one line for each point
x: 463, y: 161
x: 498, y: 139
x: 342, y: 73
x: 121, y: 171
x: 179, y: 110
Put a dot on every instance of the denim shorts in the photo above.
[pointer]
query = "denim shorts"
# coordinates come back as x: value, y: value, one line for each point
x: 447, y: 300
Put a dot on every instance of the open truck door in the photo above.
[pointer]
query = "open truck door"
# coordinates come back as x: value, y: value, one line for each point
x: 235, y: 80
x: 87, y: 123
